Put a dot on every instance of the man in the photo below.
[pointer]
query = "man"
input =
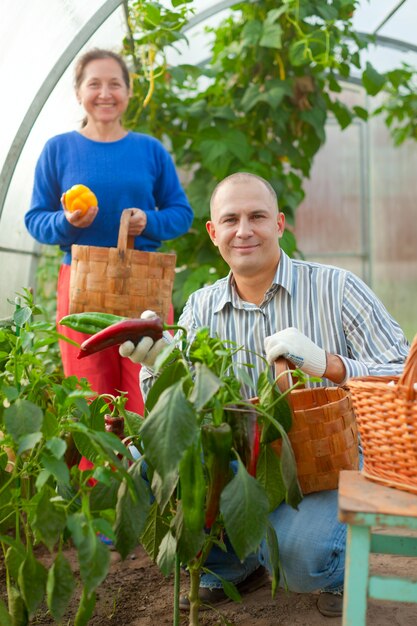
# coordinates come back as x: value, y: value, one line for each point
x: 322, y: 319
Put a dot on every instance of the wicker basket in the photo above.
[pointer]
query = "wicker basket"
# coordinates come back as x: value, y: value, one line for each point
x: 323, y: 434
x: 386, y: 411
x: 121, y: 280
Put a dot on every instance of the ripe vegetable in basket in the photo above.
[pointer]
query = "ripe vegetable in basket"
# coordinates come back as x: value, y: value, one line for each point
x: 79, y: 198
x: 125, y: 330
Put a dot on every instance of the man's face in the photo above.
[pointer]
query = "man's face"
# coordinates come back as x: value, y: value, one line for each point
x: 246, y: 226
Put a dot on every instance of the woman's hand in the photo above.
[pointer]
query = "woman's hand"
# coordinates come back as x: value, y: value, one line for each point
x: 137, y: 222
x: 79, y: 218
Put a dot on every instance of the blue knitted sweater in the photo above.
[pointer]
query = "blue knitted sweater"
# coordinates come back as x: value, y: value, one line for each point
x: 133, y: 172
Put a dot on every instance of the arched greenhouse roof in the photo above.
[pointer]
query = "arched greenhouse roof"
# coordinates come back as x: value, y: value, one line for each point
x: 39, y: 41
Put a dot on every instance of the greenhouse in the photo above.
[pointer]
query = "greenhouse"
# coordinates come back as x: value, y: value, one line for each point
x: 248, y: 123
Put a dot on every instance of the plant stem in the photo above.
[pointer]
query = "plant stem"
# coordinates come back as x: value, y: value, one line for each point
x: 176, y: 619
x: 193, y: 596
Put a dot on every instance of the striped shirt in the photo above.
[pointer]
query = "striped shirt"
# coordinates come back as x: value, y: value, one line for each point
x: 331, y: 306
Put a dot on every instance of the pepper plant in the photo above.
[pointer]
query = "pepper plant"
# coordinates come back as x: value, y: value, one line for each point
x: 45, y: 500
x: 209, y: 461
x: 205, y: 454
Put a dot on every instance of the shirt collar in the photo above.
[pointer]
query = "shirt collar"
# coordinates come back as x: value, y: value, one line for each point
x: 283, y: 278
x: 284, y: 274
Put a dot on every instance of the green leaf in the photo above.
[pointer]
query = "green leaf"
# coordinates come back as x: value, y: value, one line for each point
x: 15, y: 556
x: 56, y: 467
x: 271, y: 36
x: 104, y: 496
x: 17, y: 607
x: 273, y: 553
x: 289, y: 472
x: 49, y: 520
x: 27, y: 442
x: 244, y: 506
x: 163, y: 488
x: 60, y: 586
x: 172, y: 374
x: 251, y: 32
x: 189, y: 542
x: 166, y: 555
x: 361, y: 113
x: 93, y: 555
x: 170, y: 428
x: 133, y: 504
x: 327, y: 12
x: 298, y: 54
x: 22, y: 315
x: 237, y: 143
x: 206, y: 384
x: 250, y: 98
x: 372, y: 80
x: 342, y: 114
x: 268, y: 473
x: 32, y: 582
x: 57, y: 446
x: 317, y: 119
x: 23, y: 418
x: 5, y: 617
x: 85, y: 608
x: 7, y: 511
x: 155, y: 529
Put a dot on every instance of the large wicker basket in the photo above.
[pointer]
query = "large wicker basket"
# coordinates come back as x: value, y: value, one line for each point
x: 386, y: 411
x: 121, y: 280
x: 323, y: 434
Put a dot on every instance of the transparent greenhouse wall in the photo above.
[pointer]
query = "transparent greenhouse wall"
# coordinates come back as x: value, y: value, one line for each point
x: 359, y: 212
x: 28, y: 55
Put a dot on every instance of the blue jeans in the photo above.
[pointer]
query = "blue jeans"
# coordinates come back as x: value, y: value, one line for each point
x: 311, y: 543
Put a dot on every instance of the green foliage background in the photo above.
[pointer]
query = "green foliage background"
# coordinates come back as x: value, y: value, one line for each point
x: 259, y: 104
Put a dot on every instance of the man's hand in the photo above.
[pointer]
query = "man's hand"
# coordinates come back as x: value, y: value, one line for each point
x: 298, y: 349
x: 146, y: 350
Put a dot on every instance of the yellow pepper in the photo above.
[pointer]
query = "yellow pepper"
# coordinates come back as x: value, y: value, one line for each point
x: 79, y: 198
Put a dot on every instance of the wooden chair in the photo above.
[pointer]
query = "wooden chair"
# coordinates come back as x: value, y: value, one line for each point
x: 364, y: 504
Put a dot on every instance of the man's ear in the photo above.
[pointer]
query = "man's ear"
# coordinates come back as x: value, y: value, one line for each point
x: 211, y: 231
x: 281, y: 224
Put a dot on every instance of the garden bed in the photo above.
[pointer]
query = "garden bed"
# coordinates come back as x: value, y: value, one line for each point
x: 135, y: 593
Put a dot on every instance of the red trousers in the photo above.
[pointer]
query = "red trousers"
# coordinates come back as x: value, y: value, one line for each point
x: 106, y: 371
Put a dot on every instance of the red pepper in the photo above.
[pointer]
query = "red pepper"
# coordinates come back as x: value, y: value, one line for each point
x: 126, y: 330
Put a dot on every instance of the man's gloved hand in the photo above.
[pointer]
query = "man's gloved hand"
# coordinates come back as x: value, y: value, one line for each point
x: 146, y: 350
x: 297, y: 348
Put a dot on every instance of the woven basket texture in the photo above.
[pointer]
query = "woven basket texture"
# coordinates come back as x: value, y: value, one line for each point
x: 323, y: 435
x: 386, y: 412
x: 121, y: 280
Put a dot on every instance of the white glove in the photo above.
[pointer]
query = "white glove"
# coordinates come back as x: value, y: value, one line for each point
x: 297, y: 348
x: 146, y: 350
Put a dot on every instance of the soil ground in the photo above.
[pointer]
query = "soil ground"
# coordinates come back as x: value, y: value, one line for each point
x: 135, y: 593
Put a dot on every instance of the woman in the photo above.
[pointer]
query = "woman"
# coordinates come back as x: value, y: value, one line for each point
x: 125, y: 170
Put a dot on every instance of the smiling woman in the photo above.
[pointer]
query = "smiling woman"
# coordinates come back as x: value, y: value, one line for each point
x: 125, y: 171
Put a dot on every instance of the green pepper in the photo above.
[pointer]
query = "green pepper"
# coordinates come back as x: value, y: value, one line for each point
x: 193, y: 488
x: 243, y: 422
x: 217, y: 445
x: 90, y: 323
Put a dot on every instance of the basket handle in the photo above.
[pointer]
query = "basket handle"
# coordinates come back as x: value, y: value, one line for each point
x: 283, y: 382
x: 409, y: 376
x: 125, y: 241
